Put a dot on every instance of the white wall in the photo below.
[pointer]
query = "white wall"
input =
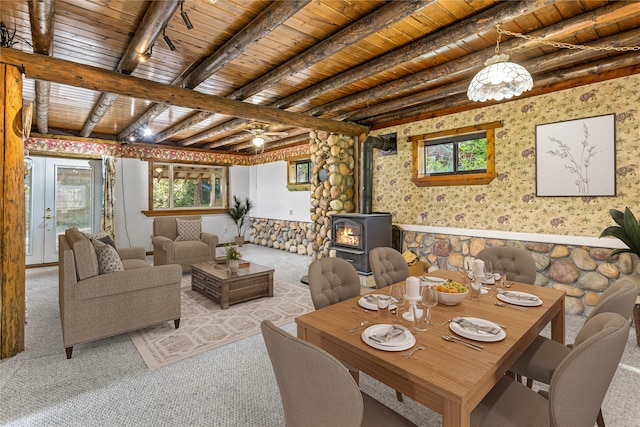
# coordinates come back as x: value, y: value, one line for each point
x: 270, y: 194
x: 133, y: 228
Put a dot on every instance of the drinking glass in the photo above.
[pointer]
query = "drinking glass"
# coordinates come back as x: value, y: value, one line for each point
x: 397, y: 292
x: 384, y: 301
x: 430, y: 300
x: 420, y: 322
x: 488, y: 271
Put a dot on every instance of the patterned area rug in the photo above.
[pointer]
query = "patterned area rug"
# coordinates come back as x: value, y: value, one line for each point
x: 205, y: 326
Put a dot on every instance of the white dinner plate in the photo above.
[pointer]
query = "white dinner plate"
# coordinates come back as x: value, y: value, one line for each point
x: 516, y: 301
x: 369, y: 302
x: 480, y: 335
x: 399, y: 343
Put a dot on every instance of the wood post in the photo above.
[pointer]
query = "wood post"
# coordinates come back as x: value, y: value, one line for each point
x: 12, y: 223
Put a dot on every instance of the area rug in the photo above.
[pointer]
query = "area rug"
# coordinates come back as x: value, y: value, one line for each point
x: 205, y: 326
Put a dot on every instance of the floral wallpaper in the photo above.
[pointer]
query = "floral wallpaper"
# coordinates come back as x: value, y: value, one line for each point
x: 509, y: 202
x: 85, y: 147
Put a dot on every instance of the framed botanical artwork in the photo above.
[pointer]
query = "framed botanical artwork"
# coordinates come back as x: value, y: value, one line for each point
x: 576, y: 157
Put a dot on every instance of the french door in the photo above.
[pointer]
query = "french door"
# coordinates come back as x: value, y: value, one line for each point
x: 59, y: 194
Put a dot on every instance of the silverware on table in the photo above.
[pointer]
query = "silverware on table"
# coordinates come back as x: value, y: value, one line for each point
x: 499, y: 304
x: 456, y: 339
x: 414, y: 350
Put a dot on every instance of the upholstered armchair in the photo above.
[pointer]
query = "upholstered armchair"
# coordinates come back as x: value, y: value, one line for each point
x: 388, y: 266
x: 517, y: 264
x: 180, y: 240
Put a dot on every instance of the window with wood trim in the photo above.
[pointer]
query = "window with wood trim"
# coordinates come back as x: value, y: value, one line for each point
x: 299, y: 174
x: 187, y: 189
x: 464, y: 156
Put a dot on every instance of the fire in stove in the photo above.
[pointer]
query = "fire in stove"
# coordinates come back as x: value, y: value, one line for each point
x: 346, y: 236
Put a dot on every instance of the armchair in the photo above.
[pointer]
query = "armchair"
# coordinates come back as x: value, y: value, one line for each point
x: 179, y: 240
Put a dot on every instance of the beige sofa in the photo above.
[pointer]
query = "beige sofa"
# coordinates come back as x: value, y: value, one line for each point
x: 167, y: 249
x: 95, y: 306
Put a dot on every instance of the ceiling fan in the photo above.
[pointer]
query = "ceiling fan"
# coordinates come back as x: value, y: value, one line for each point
x: 260, y: 132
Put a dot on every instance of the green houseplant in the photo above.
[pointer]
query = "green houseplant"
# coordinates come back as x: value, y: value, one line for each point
x: 627, y: 230
x: 238, y: 213
x: 233, y: 257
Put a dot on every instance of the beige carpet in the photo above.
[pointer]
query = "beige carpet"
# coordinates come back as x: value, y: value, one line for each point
x: 204, y: 326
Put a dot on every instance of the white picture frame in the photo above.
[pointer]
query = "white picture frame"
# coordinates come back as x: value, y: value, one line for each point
x: 576, y: 158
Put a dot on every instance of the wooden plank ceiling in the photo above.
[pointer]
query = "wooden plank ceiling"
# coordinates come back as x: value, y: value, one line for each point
x: 371, y: 62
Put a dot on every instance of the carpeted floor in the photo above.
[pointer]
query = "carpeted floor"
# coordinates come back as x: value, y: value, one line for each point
x: 107, y: 383
x: 205, y: 326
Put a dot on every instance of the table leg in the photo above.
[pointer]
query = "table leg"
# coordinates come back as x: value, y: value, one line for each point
x: 557, y: 324
x: 454, y: 415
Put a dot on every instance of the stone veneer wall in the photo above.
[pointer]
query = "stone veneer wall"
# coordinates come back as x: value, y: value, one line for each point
x: 293, y: 236
x: 333, y: 154
x: 582, y: 272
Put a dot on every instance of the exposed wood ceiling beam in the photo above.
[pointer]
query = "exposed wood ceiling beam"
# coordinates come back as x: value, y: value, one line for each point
x: 154, y: 20
x: 479, y: 24
x: 41, y: 19
x: 94, y: 78
x: 482, y: 23
x: 364, y: 27
x: 552, y: 61
x: 468, y: 65
x: 272, y: 17
x: 452, y: 96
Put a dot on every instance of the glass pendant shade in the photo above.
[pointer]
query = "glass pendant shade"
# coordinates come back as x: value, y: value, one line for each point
x: 499, y: 79
x: 258, y: 141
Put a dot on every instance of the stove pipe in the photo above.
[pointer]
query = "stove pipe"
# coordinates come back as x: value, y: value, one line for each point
x: 366, y: 168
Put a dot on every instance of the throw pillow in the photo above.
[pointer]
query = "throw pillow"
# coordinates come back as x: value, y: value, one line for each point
x: 99, y: 235
x: 109, y: 241
x: 188, y: 229
x: 108, y: 259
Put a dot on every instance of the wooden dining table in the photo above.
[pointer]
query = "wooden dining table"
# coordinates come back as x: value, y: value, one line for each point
x: 447, y: 377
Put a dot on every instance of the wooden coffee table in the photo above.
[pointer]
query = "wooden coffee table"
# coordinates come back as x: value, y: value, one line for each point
x: 218, y: 283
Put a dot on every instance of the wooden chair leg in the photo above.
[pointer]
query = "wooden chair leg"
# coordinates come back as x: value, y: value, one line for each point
x: 529, y: 383
x: 176, y: 322
x: 600, y: 419
x: 399, y: 396
x: 69, y: 350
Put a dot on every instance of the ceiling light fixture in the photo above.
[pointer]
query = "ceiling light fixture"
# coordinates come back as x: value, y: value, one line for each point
x: 167, y: 40
x: 499, y: 79
x: 258, y: 141
x: 185, y: 18
x: 503, y: 79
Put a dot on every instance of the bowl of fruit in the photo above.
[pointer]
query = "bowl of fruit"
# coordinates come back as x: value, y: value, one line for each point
x: 451, y: 292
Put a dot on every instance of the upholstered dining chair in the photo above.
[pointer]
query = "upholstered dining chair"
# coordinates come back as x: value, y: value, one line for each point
x: 332, y: 280
x: 577, y: 389
x: 388, y: 266
x: 542, y: 357
x: 317, y: 390
x: 517, y: 264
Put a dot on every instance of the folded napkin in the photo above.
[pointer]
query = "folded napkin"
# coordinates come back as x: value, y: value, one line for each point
x: 519, y: 297
x: 371, y: 298
x: 471, y: 326
x: 394, y: 331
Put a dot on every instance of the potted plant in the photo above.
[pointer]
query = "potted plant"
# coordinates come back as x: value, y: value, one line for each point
x: 627, y: 230
x: 233, y: 257
x: 238, y: 213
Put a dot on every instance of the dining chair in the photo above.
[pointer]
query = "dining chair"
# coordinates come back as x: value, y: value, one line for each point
x: 332, y: 280
x: 317, y: 390
x: 388, y: 266
x: 543, y: 356
x: 517, y: 264
x: 577, y: 389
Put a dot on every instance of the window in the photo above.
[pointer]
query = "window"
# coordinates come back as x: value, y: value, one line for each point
x: 464, y: 156
x: 189, y: 188
x: 299, y: 174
